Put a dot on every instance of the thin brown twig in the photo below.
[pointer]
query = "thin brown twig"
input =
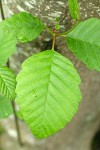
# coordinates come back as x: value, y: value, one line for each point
x: 54, y: 41
x: 17, y: 125
x: 64, y: 17
x: 2, y: 12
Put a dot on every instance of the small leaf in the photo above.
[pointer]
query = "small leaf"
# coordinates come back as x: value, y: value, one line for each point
x: 23, y: 26
x: 7, y: 46
x: 74, y: 9
x: 47, y: 92
x: 84, y: 41
x: 5, y: 108
x: 57, y: 27
x: 7, y: 83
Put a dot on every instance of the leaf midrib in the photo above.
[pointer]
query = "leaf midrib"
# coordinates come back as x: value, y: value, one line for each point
x: 82, y: 40
x: 88, y: 42
x: 47, y: 89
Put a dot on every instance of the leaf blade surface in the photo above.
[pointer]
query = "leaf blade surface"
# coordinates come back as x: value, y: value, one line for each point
x: 7, y: 83
x: 7, y: 46
x: 47, y: 92
x: 74, y: 9
x: 23, y: 26
x: 5, y: 108
x: 84, y: 42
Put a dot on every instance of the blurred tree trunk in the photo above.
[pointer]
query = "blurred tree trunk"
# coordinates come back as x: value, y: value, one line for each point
x: 78, y: 134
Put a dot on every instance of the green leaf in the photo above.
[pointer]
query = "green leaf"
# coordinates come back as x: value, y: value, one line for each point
x: 23, y: 26
x: 19, y: 114
x: 47, y: 92
x: 84, y: 41
x: 7, y: 46
x: 5, y: 107
x: 57, y: 27
x: 7, y: 83
x: 74, y: 9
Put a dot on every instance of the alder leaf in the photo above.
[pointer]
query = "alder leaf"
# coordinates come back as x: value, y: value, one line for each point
x: 7, y: 46
x: 23, y: 26
x: 84, y: 42
x: 7, y: 83
x: 74, y: 9
x: 19, y: 114
x: 5, y: 108
x: 48, y: 92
